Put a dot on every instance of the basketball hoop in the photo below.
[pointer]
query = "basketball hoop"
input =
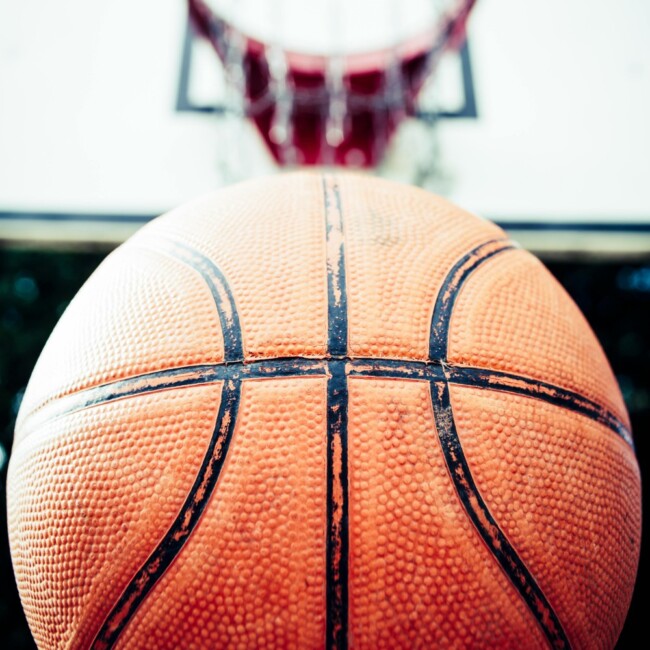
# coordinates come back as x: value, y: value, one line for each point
x: 320, y: 90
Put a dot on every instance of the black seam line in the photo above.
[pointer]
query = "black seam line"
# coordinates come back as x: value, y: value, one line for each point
x: 470, y: 497
x: 173, y: 378
x: 543, y: 391
x: 408, y: 369
x: 484, y: 522
x: 141, y: 584
x: 337, y: 506
x: 221, y: 293
x: 337, y: 541
x: 179, y: 532
x: 337, y: 337
x: 450, y: 288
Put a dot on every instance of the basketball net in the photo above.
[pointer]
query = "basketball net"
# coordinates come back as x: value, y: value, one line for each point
x: 328, y: 82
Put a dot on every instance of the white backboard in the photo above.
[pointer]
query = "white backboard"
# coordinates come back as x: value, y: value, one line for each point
x: 106, y: 120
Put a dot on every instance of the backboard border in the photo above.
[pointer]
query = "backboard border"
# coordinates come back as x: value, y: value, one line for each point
x: 468, y: 110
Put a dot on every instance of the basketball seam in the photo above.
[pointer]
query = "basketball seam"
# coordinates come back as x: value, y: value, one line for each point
x: 460, y: 374
x: 503, y: 552
x: 167, y: 550
x: 279, y: 367
x: 213, y: 277
x: 336, y: 619
x: 190, y: 513
x: 486, y: 525
x: 446, y: 298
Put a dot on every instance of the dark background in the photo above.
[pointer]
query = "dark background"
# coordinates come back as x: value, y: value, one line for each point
x: 35, y: 288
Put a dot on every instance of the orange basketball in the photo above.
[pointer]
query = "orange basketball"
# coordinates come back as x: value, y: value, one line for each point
x: 323, y: 412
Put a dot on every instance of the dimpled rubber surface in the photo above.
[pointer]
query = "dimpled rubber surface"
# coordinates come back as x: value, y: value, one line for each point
x: 262, y: 543
x: 419, y: 562
x: 589, y: 504
x: 149, y: 307
x: 393, y: 282
x: 514, y: 301
x: 323, y: 412
x: 85, y: 503
x: 272, y: 254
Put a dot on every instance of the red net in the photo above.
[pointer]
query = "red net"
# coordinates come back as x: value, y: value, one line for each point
x: 322, y: 110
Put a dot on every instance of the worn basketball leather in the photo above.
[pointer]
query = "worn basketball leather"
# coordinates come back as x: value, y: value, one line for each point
x: 323, y: 411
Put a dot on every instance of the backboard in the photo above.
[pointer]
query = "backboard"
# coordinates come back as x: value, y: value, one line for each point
x: 112, y: 113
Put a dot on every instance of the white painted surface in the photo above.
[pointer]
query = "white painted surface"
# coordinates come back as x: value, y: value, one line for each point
x: 88, y: 89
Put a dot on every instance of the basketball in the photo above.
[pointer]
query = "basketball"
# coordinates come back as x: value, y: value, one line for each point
x: 323, y: 411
